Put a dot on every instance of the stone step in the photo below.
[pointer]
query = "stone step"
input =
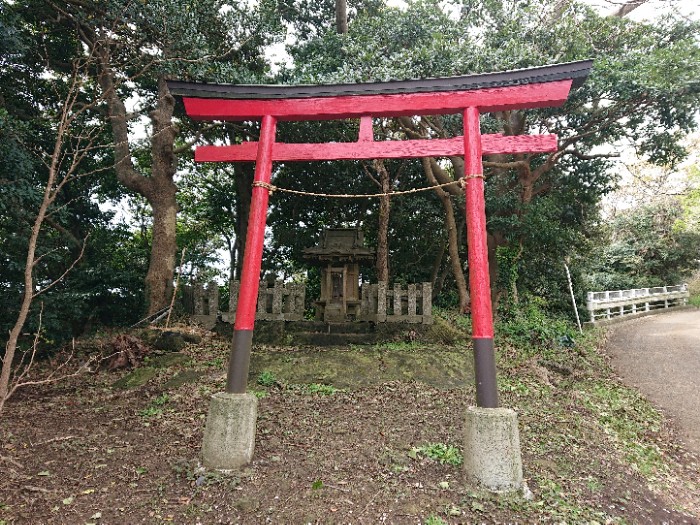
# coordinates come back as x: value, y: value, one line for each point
x: 326, y: 339
x: 357, y: 327
x: 326, y: 334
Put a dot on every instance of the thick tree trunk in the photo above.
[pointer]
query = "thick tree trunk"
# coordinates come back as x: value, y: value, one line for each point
x: 383, y: 227
x: 159, y: 188
x: 161, y: 268
x: 244, y: 173
x: 453, y: 241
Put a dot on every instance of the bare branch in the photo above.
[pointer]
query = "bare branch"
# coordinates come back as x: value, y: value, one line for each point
x: 177, y: 283
x: 187, y: 145
x: 22, y: 368
x: 627, y: 8
x: 52, y: 440
x: 38, y: 259
x: 369, y: 174
x: 32, y: 488
x: 11, y: 461
x: 583, y: 156
x: 512, y: 165
x: 66, y: 272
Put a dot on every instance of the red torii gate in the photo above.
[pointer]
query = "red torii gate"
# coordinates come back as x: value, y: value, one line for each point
x: 470, y: 95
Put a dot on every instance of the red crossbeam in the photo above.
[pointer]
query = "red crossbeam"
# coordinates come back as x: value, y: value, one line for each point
x: 546, y: 94
x: 399, y: 149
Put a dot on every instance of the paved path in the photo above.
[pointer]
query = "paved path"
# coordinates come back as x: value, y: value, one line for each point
x: 660, y: 355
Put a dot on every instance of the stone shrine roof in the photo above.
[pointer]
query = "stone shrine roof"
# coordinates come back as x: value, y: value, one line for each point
x: 341, y: 245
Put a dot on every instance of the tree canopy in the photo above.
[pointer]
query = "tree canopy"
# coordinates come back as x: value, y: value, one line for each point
x: 642, y: 93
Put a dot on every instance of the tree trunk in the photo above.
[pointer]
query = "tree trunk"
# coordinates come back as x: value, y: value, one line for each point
x: 453, y: 241
x: 244, y: 173
x: 11, y: 346
x: 161, y: 268
x: 493, y: 241
x: 231, y: 246
x: 159, y: 188
x: 50, y: 191
x: 341, y: 16
x: 627, y: 8
x: 437, y: 263
x: 383, y: 227
x: 436, y: 175
x: 440, y: 281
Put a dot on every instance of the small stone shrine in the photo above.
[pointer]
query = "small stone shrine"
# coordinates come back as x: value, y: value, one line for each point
x: 339, y: 254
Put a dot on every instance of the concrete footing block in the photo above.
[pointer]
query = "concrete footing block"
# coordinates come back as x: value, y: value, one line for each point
x: 229, y: 434
x: 492, y: 449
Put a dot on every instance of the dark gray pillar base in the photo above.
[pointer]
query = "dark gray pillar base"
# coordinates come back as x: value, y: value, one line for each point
x: 239, y: 362
x: 485, y: 372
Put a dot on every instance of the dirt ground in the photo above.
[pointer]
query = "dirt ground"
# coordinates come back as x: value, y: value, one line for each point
x: 84, y: 451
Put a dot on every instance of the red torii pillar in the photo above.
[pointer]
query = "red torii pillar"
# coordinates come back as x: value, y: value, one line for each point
x: 469, y: 95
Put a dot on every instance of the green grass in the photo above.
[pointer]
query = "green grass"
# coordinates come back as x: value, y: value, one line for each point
x: 628, y: 419
x: 440, y: 452
x: 398, y: 345
x: 267, y: 379
x: 259, y: 393
x: 434, y: 520
x: 151, y: 412
x: 155, y: 409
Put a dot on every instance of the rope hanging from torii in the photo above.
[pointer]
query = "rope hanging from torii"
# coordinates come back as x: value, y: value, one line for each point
x: 459, y: 182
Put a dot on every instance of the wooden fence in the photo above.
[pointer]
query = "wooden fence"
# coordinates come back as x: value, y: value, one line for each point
x: 280, y: 301
x: 277, y: 301
x: 382, y: 304
x: 202, y: 302
x: 617, y: 303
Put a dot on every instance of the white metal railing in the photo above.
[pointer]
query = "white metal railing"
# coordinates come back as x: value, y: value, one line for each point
x: 615, y: 303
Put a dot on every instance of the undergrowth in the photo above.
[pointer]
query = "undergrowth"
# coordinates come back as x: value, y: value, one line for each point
x: 585, y: 438
x: 529, y: 326
x: 440, y: 452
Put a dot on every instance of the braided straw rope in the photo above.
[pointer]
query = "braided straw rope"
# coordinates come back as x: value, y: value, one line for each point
x: 272, y: 188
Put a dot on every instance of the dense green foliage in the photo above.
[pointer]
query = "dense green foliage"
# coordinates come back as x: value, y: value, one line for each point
x: 47, y: 47
x: 105, y: 286
x: 648, y: 246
